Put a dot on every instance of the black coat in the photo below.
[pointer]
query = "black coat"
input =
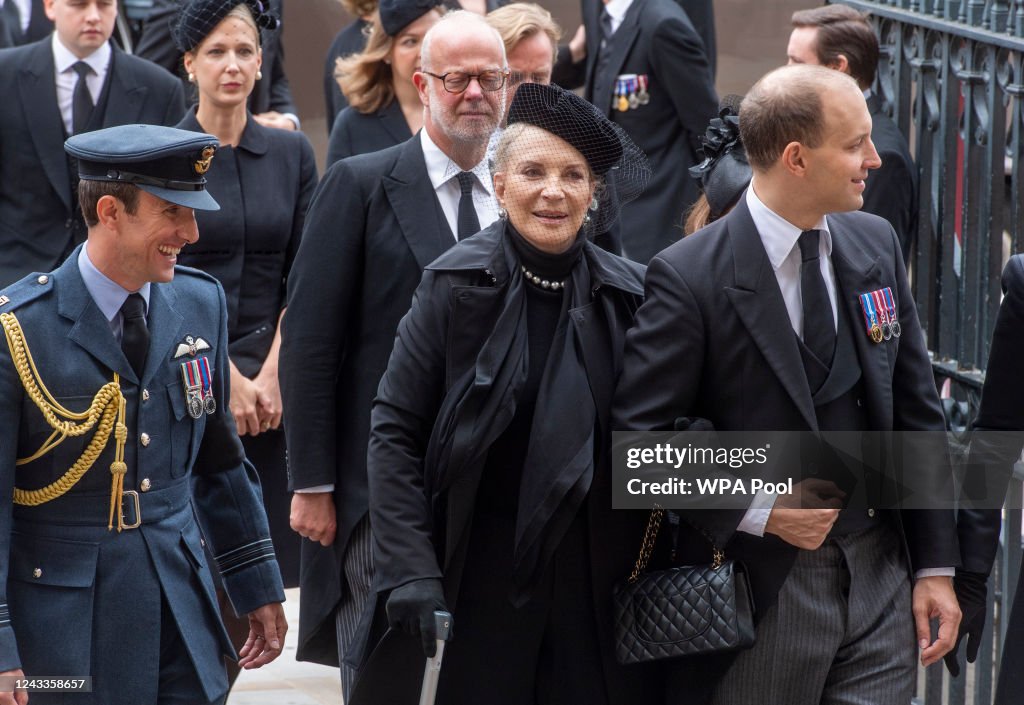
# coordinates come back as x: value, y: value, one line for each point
x: 358, y: 133
x: 263, y: 186
x: 455, y: 310
x: 891, y: 190
x: 655, y: 38
x: 39, y: 219
x: 733, y: 359
x: 272, y: 92
x: 39, y: 26
x: 373, y: 225
x: 349, y: 40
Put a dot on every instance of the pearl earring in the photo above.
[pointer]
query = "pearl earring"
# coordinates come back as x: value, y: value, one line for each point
x: 259, y: 75
x: 191, y: 77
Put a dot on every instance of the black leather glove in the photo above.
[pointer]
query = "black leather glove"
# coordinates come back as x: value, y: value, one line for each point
x: 972, y: 594
x: 411, y: 608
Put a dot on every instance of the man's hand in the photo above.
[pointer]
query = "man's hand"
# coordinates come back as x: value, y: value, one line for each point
x: 313, y: 516
x: 934, y: 598
x: 274, y: 119
x: 972, y: 594
x: 578, y: 45
x: 267, y: 627
x: 18, y: 697
x: 803, y: 528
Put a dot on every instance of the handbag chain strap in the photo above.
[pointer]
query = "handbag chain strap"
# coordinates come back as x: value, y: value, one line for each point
x: 651, y: 536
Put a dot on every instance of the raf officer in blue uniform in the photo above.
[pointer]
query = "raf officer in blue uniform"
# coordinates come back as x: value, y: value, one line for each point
x: 120, y: 453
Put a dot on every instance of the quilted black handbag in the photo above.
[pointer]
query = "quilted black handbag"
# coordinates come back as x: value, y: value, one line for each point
x: 682, y: 611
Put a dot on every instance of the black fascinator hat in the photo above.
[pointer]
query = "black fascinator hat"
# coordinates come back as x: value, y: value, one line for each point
x: 199, y: 17
x: 725, y: 172
x: 396, y: 15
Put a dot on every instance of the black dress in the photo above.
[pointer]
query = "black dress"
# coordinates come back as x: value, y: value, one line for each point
x: 263, y: 187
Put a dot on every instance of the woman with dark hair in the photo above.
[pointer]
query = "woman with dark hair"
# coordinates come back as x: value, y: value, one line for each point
x: 384, y: 106
x: 263, y: 179
x: 490, y: 490
x: 725, y: 173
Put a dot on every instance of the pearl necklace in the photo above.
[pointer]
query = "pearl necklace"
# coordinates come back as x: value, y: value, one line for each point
x: 542, y: 283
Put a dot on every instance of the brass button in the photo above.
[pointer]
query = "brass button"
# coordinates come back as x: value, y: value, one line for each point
x: 145, y: 395
x: 144, y: 439
x: 37, y: 573
x: 145, y: 485
x: 871, y: 512
x: 43, y: 279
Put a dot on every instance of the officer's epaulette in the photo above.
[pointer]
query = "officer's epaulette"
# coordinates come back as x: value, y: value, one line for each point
x: 25, y: 290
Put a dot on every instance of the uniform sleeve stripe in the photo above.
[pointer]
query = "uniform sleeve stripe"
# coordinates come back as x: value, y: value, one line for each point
x: 237, y: 558
x: 5, y: 615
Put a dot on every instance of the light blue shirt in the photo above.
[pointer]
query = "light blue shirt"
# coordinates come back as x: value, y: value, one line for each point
x: 108, y: 294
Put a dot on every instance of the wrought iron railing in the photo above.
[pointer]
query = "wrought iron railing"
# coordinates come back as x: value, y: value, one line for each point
x: 952, y: 77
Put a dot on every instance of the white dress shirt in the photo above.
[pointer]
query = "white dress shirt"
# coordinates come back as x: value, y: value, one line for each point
x: 442, y: 172
x: 66, y: 77
x: 108, y: 294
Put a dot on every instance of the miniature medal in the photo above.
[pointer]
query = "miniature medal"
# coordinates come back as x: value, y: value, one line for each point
x: 209, y: 403
x: 879, y: 301
x: 634, y: 100
x: 871, y: 318
x: 890, y: 307
x: 643, y: 96
x: 192, y: 380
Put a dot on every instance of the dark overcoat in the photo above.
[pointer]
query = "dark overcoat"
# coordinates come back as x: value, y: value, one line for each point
x: 39, y: 220
x: 421, y: 527
x: 350, y: 40
x: 373, y: 225
x: 891, y: 190
x: 358, y: 133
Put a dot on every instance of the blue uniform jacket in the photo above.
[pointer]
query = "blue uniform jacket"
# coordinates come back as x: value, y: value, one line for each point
x: 75, y: 598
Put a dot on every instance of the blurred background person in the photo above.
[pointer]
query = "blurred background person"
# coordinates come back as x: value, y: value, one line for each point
x: 26, y: 21
x: 350, y: 40
x: 841, y: 38
x: 724, y: 173
x: 531, y: 39
x: 530, y: 547
x: 263, y: 179
x: 384, y: 106
x: 72, y: 81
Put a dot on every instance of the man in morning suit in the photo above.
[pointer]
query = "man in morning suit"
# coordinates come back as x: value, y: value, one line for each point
x: 375, y: 222
x: 70, y: 82
x: 839, y: 37
x: 754, y: 324
x: 647, y: 68
x: 26, y: 21
x: 108, y: 576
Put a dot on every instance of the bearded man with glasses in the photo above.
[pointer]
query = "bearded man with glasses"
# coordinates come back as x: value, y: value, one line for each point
x: 375, y: 222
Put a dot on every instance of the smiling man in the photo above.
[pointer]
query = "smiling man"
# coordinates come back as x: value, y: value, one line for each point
x: 108, y: 575
x: 375, y: 222
x: 762, y: 312
x: 71, y: 82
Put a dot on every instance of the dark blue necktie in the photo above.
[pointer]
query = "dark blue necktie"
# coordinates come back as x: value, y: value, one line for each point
x: 81, y: 100
x: 819, y: 324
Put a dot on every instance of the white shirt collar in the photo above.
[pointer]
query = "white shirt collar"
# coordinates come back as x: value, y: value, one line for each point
x: 63, y: 59
x: 778, y: 235
x: 441, y: 169
x: 108, y: 294
x: 617, y: 9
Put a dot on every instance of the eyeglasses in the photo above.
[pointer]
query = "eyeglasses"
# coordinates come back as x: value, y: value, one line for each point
x: 457, y: 81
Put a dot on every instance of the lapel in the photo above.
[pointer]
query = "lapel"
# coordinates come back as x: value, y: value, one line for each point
x: 393, y: 121
x: 758, y: 302
x: 38, y: 92
x: 164, y: 327
x: 618, y: 48
x: 408, y: 190
x: 90, y: 330
x: 125, y: 92
x: 858, y: 272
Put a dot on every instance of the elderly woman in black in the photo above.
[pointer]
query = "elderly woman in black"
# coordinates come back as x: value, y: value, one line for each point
x: 489, y: 487
x: 263, y: 178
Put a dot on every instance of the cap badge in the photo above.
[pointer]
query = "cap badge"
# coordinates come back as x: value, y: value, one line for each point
x: 203, y: 165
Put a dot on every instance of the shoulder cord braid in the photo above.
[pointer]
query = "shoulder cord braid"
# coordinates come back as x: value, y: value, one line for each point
x: 108, y: 403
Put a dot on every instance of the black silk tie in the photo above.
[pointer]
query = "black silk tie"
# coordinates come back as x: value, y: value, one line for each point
x: 135, y: 334
x: 819, y: 324
x: 468, y: 223
x: 81, y: 99
x: 606, y: 26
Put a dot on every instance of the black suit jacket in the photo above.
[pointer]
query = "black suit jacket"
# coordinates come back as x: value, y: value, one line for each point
x: 713, y: 340
x: 358, y: 133
x: 657, y: 39
x: 39, y: 26
x: 891, y: 190
x: 373, y: 225
x: 38, y: 226
x: 272, y: 92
